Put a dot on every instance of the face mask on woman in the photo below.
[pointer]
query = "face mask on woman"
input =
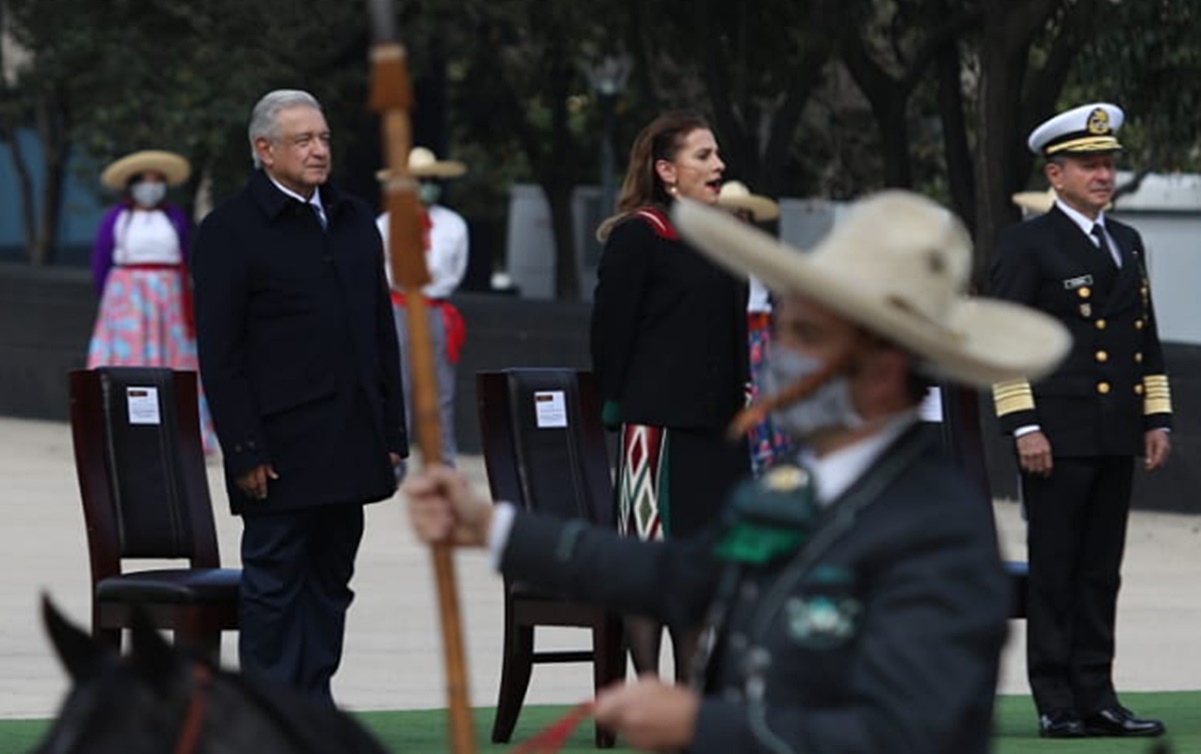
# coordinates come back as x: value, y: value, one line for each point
x: 148, y: 194
x: 827, y: 407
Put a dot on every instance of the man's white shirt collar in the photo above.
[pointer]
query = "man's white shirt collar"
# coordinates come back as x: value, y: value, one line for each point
x: 832, y: 475
x: 1086, y: 226
x: 1080, y: 218
x: 315, y: 201
x: 835, y: 472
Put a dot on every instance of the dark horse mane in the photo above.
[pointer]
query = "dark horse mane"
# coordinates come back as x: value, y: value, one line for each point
x: 160, y: 699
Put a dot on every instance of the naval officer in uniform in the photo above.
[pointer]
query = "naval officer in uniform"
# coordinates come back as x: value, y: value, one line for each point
x: 1078, y: 431
x: 855, y: 602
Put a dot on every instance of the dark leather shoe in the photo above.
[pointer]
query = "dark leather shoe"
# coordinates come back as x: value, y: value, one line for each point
x: 1063, y: 724
x: 1119, y: 721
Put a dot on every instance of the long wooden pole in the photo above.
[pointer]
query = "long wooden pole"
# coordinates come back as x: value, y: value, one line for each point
x: 392, y: 97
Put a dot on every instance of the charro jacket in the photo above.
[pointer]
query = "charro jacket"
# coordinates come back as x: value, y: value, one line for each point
x: 880, y: 633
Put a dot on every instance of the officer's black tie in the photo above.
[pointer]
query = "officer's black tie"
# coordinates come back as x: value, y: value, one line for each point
x: 1103, y: 244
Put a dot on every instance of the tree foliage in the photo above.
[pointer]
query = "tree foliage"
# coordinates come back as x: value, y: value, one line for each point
x: 827, y: 97
x: 1149, y: 62
x: 113, y: 76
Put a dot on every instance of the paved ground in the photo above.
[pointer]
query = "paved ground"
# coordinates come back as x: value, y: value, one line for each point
x: 393, y: 654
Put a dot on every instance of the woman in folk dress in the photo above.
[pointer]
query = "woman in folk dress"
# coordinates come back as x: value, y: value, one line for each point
x: 140, y: 269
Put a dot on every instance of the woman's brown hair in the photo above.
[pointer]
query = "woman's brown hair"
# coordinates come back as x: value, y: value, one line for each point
x: 660, y: 140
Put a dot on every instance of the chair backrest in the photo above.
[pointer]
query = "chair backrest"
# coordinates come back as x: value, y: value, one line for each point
x: 544, y: 443
x: 141, y: 467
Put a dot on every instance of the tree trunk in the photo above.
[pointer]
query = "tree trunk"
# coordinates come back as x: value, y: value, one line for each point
x: 1009, y: 29
x: 567, y: 278
x: 888, y: 98
x: 894, y: 139
x: 957, y: 150
x: 25, y: 184
x: 999, y: 90
x: 52, y: 131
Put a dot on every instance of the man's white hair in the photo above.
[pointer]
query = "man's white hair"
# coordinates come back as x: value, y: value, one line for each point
x: 264, y: 118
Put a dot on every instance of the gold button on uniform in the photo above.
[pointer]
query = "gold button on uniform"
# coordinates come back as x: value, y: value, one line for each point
x: 1100, y: 324
x: 1138, y: 389
x: 1102, y: 357
x: 1138, y: 358
x: 1084, y: 292
x: 1138, y: 324
x: 1103, y: 388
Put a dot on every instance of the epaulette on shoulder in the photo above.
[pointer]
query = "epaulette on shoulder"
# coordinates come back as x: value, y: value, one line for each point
x: 659, y: 222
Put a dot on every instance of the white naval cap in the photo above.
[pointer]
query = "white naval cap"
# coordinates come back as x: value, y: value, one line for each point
x: 1088, y: 128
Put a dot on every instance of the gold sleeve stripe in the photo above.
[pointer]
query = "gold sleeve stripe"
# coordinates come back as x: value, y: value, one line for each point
x: 1157, y: 397
x: 1012, y: 396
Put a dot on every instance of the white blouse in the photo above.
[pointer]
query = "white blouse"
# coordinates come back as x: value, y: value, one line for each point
x: 145, y: 237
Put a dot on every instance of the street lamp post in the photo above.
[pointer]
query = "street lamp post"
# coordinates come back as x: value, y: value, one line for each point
x: 608, y: 78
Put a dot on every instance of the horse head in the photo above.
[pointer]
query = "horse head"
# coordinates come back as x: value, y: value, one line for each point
x: 160, y: 699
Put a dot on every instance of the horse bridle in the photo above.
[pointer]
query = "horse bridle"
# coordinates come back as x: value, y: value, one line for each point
x: 193, y: 724
x: 189, y: 734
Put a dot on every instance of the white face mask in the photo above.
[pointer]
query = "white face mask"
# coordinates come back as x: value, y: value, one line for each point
x: 828, y: 407
x: 429, y: 193
x: 148, y: 193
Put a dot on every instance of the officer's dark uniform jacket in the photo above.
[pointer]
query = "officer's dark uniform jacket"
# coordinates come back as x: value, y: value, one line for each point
x: 880, y: 632
x: 1112, y: 387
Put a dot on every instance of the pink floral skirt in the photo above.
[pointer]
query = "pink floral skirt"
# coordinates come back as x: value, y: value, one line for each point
x: 141, y: 323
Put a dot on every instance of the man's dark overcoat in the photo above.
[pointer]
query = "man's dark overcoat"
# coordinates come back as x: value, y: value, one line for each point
x: 298, y: 350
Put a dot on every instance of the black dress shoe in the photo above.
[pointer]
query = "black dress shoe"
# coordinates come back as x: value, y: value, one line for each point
x: 1119, y: 721
x: 1062, y: 724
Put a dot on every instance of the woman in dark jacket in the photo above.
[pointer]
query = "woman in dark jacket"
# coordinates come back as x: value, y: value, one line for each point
x: 669, y: 349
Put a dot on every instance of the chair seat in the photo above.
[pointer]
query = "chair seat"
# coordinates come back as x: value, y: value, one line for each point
x: 178, y: 585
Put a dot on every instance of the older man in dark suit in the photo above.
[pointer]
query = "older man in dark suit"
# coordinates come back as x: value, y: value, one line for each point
x: 298, y: 353
x: 1077, y: 432
x: 858, y: 605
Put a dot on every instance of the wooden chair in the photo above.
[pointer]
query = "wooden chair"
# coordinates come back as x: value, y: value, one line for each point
x: 544, y: 449
x: 142, y: 478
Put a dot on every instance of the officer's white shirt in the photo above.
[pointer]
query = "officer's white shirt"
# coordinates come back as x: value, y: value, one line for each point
x: 1086, y: 226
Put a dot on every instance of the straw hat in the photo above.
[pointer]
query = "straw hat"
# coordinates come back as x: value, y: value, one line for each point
x: 898, y: 264
x: 735, y: 194
x: 174, y: 167
x: 1037, y: 202
x: 424, y: 164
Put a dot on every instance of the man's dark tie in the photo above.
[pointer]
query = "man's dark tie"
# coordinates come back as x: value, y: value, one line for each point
x: 1103, y: 244
x: 320, y: 215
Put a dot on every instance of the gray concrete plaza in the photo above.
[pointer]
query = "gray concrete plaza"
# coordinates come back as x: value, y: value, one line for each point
x: 393, y: 654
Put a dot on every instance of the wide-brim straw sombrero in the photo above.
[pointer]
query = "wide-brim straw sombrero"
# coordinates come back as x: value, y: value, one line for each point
x: 175, y: 168
x: 897, y: 264
x: 423, y: 163
x: 1038, y: 202
x: 736, y: 195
